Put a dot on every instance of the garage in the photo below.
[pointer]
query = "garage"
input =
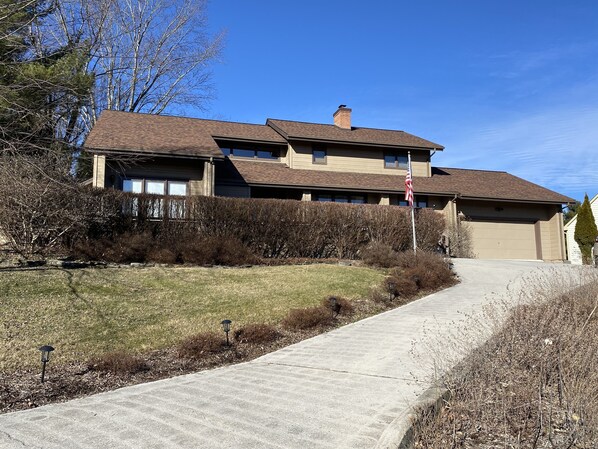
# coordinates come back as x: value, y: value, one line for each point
x: 503, y: 239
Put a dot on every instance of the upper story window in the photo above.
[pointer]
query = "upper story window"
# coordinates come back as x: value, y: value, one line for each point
x: 318, y: 155
x: 395, y: 160
x: 253, y: 153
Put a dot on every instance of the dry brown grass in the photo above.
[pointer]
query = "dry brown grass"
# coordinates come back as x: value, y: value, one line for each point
x: 534, y: 384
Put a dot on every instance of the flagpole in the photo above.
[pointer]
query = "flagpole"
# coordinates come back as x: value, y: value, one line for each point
x: 412, y: 203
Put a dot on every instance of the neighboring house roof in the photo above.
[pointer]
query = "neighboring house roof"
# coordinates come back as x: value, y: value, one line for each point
x: 366, y: 136
x: 168, y: 135
x: 474, y: 184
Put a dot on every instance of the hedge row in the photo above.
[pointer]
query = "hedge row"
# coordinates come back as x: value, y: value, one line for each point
x: 269, y: 228
x: 58, y: 219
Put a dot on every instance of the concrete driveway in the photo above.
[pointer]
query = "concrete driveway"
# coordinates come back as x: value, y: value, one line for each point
x: 337, y: 390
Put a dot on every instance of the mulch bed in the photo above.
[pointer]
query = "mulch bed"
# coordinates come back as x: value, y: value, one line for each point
x: 23, y: 389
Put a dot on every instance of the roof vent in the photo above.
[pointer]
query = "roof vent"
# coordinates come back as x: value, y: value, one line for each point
x: 342, y: 117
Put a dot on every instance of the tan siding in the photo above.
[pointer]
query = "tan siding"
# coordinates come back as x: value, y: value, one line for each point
x: 353, y: 160
x: 196, y: 187
x: 487, y: 209
x: 99, y: 171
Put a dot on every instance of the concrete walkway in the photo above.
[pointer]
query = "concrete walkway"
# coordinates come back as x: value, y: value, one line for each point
x: 337, y: 390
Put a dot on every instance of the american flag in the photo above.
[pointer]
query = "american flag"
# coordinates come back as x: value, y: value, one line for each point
x: 409, y: 186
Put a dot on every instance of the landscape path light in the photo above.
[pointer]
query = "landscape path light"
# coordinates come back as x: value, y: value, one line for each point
x: 226, y: 328
x: 391, y: 290
x: 46, y: 350
x: 334, y: 306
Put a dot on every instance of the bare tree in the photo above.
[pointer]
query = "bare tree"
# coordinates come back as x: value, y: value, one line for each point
x: 147, y: 55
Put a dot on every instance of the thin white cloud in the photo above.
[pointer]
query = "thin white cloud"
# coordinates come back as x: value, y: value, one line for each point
x: 557, y: 149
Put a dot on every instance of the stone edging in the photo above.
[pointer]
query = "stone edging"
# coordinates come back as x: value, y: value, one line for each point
x: 399, y: 433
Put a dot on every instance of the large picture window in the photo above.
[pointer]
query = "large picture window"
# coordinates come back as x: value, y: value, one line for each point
x: 176, y: 190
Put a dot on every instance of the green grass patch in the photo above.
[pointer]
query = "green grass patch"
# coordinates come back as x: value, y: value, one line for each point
x: 87, y: 312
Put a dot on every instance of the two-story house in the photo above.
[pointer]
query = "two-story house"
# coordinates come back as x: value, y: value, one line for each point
x: 507, y: 216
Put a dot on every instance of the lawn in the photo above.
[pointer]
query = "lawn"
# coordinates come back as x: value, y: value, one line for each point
x: 91, y: 311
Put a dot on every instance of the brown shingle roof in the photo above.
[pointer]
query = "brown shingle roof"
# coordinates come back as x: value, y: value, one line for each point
x: 444, y: 181
x: 365, y: 136
x: 160, y: 134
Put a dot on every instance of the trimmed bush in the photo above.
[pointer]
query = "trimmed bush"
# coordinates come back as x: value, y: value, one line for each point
x: 428, y: 270
x: 338, y: 305
x: 378, y: 254
x: 233, y: 231
x: 399, y: 285
x: 202, y: 344
x: 307, y: 318
x: 118, y: 362
x: 256, y: 333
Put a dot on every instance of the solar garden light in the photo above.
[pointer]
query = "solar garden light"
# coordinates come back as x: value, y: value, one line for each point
x: 46, y: 350
x: 391, y: 290
x: 226, y: 328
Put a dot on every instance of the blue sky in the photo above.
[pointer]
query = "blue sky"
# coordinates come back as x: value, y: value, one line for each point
x: 503, y: 85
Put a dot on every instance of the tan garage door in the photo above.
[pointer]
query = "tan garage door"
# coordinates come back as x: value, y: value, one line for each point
x: 503, y: 240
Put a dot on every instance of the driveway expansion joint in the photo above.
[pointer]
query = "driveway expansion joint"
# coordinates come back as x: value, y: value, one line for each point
x: 338, y: 371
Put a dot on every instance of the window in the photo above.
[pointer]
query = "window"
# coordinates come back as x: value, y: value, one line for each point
x: 392, y: 160
x: 177, y: 188
x: 418, y: 202
x: 319, y: 155
x: 252, y: 153
x: 133, y: 185
x: 155, y: 208
x: 339, y: 198
x: 155, y: 187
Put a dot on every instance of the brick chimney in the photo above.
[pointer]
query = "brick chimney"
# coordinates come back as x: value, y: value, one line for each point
x: 342, y: 117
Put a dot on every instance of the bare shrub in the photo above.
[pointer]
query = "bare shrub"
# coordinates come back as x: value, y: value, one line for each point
x: 338, y: 305
x: 460, y: 241
x: 162, y: 255
x: 378, y: 254
x: 429, y: 225
x: 217, y: 251
x: 431, y: 270
x: 43, y: 209
x: 307, y: 318
x: 406, y: 286
x: 533, y: 384
x: 118, y: 362
x: 381, y: 296
x: 256, y: 333
x: 200, y: 345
